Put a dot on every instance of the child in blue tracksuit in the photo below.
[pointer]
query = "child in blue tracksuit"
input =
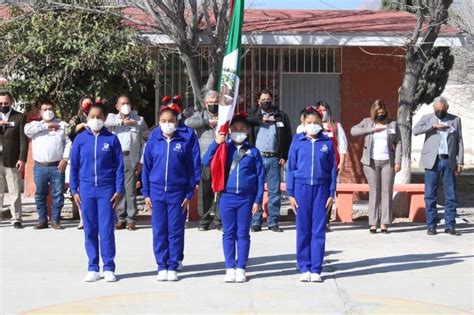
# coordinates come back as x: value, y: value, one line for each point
x: 311, y: 184
x: 242, y: 195
x: 168, y: 185
x: 97, y: 183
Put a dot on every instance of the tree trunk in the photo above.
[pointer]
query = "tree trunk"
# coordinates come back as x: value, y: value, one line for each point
x: 194, y: 75
x: 406, y: 103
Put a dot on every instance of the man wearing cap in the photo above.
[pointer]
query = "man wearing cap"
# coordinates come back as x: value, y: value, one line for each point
x: 129, y: 129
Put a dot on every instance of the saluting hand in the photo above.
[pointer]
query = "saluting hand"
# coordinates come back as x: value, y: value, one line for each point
x: 77, y: 200
x: 115, y: 199
x: 293, y: 204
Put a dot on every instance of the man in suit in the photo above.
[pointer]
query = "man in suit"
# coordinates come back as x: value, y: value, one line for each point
x: 442, y: 155
x: 271, y: 135
x: 129, y: 128
x: 13, y: 154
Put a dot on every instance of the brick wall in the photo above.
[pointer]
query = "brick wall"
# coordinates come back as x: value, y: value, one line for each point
x: 364, y: 79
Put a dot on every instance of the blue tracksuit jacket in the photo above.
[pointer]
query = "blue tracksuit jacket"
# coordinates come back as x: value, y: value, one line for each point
x: 248, y: 177
x: 311, y: 163
x: 189, y: 134
x: 169, y: 166
x: 96, y: 161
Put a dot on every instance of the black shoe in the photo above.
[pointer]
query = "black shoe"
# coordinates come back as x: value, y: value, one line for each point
x: 431, y: 231
x: 203, y: 228
x: 219, y: 227
x: 17, y: 225
x: 256, y: 228
x: 275, y: 228
x: 384, y: 231
x: 452, y: 231
x: 373, y: 231
x: 41, y: 225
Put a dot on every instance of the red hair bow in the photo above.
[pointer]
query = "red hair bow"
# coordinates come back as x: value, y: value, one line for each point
x: 172, y: 107
x: 166, y: 99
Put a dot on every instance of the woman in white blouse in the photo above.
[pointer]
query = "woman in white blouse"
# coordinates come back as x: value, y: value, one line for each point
x: 381, y: 158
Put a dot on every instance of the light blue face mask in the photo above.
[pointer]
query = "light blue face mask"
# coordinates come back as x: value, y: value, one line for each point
x: 238, y: 137
x: 325, y: 116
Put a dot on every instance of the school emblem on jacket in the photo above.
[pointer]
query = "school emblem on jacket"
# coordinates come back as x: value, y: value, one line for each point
x: 178, y: 148
x: 106, y: 147
x: 324, y: 148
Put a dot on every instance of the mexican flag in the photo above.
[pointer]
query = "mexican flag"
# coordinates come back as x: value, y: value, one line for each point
x: 229, y: 91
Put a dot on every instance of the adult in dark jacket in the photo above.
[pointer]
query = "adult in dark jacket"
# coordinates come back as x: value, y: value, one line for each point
x: 13, y: 151
x: 271, y: 135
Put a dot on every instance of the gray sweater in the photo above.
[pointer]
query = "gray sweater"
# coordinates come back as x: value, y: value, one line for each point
x: 199, y: 121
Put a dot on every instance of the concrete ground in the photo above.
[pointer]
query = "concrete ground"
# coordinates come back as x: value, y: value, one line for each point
x: 405, y: 271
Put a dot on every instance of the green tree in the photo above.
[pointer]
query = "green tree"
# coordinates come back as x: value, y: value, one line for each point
x: 63, y: 54
x: 438, y: 64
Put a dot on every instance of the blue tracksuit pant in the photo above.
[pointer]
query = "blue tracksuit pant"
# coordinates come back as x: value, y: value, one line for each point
x: 311, y: 226
x: 236, y: 216
x: 98, y: 217
x: 181, y: 255
x: 168, y: 228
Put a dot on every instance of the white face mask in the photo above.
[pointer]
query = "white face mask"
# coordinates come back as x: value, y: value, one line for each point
x: 48, y: 115
x: 325, y: 116
x: 125, y: 109
x: 95, y: 124
x: 168, y: 128
x: 238, y: 137
x: 312, y: 129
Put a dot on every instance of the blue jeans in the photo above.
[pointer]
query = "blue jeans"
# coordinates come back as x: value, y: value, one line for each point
x: 441, y: 168
x: 45, y: 176
x: 272, y: 178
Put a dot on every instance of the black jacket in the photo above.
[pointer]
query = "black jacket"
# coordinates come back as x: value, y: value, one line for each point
x: 282, y: 121
x: 15, y: 142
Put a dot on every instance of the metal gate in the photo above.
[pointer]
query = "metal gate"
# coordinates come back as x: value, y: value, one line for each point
x: 301, y: 90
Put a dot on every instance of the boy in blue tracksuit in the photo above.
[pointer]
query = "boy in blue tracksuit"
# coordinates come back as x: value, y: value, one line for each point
x: 168, y: 185
x: 242, y: 195
x: 97, y: 183
x: 311, y: 185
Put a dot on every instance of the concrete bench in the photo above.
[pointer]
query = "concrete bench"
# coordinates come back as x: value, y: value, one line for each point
x: 345, y: 199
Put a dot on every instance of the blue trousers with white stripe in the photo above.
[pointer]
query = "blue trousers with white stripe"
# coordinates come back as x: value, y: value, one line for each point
x: 168, y: 228
x: 311, y: 226
x: 236, y: 216
x: 98, y: 218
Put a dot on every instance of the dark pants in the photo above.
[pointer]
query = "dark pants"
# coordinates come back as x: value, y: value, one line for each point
x: 206, y: 200
x: 272, y: 178
x: 45, y: 176
x: 441, y: 168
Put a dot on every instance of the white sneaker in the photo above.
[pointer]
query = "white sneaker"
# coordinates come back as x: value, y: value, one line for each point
x: 172, y: 275
x: 229, y: 275
x: 109, y: 276
x: 162, y: 275
x: 180, y: 266
x: 240, y: 275
x: 92, y: 276
x: 315, y: 277
x: 305, y: 277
